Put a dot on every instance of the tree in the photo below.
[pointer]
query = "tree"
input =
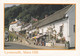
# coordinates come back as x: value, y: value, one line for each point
x: 24, y: 12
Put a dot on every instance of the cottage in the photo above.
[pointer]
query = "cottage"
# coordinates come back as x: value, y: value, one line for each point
x: 15, y: 26
x: 60, y: 24
x: 63, y: 22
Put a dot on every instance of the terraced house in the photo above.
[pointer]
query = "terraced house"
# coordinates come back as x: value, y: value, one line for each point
x: 60, y: 24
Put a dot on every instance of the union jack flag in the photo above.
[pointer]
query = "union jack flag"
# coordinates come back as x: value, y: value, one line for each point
x: 34, y: 19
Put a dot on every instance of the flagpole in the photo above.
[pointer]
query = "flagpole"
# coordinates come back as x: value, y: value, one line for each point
x: 32, y: 24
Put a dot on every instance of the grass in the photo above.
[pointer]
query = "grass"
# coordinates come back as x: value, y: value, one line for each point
x: 12, y: 36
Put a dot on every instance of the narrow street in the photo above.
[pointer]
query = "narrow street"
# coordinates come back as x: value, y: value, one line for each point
x: 15, y: 45
x: 9, y: 45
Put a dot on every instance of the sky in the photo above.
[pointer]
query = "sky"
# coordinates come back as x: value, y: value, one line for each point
x: 10, y: 5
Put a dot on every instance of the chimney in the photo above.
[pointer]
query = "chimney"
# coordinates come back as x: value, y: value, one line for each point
x: 16, y: 20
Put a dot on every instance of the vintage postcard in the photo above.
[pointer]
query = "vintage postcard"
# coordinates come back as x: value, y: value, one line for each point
x: 39, y: 28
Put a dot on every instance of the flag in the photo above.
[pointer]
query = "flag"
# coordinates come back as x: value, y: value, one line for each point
x: 34, y: 19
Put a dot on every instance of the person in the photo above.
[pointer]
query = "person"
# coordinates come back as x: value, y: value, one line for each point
x: 43, y: 40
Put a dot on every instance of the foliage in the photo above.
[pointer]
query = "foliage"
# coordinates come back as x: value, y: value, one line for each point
x: 24, y: 12
x: 6, y: 29
x: 61, y: 34
x: 12, y: 36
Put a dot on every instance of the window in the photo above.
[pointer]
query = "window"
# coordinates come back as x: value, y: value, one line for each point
x: 61, y: 31
x: 12, y: 29
x: 74, y: 28
x: 61, y: 28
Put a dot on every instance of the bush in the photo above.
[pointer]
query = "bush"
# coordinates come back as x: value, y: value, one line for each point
x: 12, y: 36
x: 63, y: 39
x: 57, y: 40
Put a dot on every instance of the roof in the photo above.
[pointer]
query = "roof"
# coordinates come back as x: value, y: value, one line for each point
x: 54, y: 17
x: 14, y: 22
x: 25, y: 25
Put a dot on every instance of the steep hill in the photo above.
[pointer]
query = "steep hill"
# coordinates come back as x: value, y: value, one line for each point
x: 25, y: 12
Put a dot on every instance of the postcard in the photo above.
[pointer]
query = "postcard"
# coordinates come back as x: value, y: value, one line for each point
x: 38, y: 29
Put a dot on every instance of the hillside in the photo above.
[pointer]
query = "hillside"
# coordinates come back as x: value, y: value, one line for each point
x: 25, y: 12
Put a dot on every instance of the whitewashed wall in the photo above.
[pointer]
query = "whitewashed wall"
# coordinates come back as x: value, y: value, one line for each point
x: 68, y: 29
x: 71, y: 14
x: 57, y: 27
x: 65, y: 28
x: 15, y: 27
x: 18, y: 28
x: 32, y: 30
x: 12, y: 26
